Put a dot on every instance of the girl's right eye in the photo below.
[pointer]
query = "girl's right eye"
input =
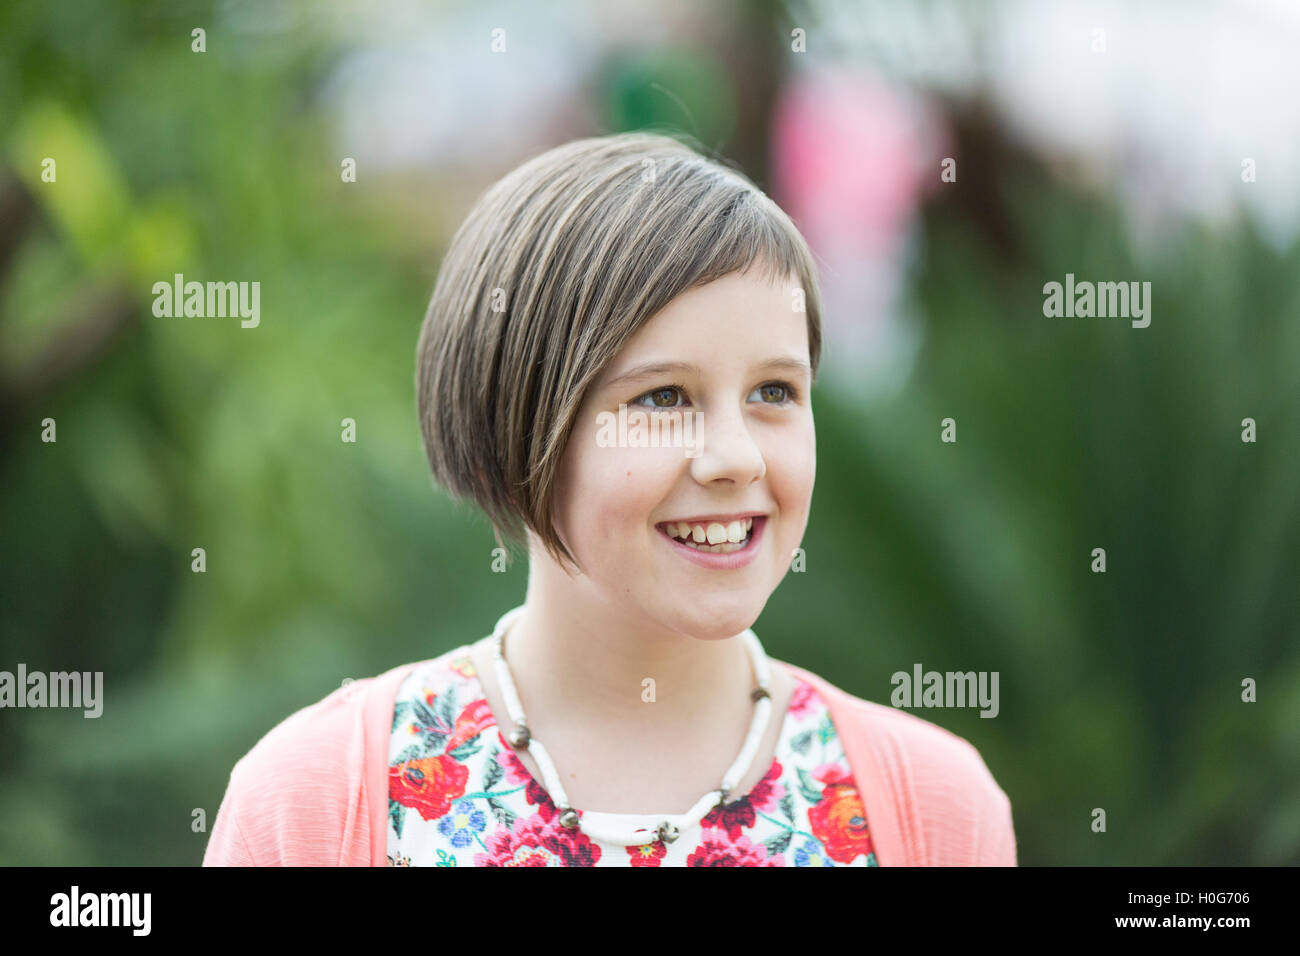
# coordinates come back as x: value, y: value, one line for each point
x: 664, y: 397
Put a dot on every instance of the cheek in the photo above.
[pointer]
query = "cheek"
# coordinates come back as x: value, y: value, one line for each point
x: 638, y: 481
x: 610, y: 492
x: 791, y: 472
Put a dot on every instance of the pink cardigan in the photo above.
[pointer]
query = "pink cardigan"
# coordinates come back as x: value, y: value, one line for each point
x: 314, y: 790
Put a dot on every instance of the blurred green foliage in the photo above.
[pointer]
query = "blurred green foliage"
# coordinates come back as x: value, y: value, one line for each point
x: 328, y: 560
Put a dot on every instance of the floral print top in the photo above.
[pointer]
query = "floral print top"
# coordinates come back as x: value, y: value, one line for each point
x: 458, y: 795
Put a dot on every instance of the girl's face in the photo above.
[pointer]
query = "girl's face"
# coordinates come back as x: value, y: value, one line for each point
x: 716, y: 441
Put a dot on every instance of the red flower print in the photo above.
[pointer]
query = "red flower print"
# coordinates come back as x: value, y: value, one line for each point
x: 768, y: 790
x: 537, y: 842
x: 430, y: 785
x: 534, y: 792
x: 716, y: 850
x: 475, y: 718
x: 832, y: 773
x: 651, y: 854
x: 740, y: 814
x: 802, y: 700
x: 839, y: 820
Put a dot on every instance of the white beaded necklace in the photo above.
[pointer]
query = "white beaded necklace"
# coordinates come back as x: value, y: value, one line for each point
x: 674, y: 825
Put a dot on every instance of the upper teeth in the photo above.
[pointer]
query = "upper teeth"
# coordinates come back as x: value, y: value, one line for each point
x: 714, y: 532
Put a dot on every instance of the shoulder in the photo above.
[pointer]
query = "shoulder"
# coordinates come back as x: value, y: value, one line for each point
x: 302, y: 794
x: 932, y: 786
x: 453, y: 670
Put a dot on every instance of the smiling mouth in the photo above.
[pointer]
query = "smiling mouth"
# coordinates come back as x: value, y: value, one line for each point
x: 713, y: 537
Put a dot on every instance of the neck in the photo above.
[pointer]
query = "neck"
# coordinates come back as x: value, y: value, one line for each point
x: 578, y: 662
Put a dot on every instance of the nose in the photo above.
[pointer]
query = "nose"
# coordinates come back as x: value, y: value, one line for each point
x: 728, y: 451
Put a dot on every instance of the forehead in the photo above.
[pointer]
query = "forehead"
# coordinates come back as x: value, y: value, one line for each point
x: 737, y: 315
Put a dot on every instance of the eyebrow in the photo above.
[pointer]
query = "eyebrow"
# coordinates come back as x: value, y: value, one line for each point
x: 653, y: 369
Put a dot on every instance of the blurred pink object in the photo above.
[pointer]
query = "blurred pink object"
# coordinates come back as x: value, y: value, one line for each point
x: 847, y: 158
x: 851, y: 158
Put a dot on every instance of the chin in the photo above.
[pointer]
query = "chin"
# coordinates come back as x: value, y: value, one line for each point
x: 720, y: 623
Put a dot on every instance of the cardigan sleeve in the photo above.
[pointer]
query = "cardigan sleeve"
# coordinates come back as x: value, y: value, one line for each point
x: 297, y: 798
x: 962, y: 816
x: 996, y: 835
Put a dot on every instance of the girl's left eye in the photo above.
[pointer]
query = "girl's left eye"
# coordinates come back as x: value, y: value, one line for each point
x: 775, y: 393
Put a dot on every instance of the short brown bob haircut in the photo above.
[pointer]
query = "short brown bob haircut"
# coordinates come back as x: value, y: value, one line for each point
x: 556, y: 266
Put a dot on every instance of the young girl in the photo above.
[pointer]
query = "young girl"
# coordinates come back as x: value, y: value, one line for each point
x: 617, y: 366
